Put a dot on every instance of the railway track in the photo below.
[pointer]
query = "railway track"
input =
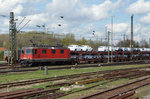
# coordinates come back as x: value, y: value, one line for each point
x: 58, y: 94
x: 18, y: 69
x: 51, y: 92
x: 27, y: 93
x: 3, y: 64
x: 20, y: 83
x: 120, y: 90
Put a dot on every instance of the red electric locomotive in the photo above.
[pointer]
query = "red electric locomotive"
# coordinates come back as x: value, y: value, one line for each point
x: 44, y: 55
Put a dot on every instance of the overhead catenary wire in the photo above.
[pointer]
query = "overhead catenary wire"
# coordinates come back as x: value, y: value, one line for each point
x: 23, y: 26
x: 21, y: 22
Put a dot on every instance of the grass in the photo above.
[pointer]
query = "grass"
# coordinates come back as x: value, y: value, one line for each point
x: 114, y: 83
x: 54, y: 73
x: 42, y: 85
x: 143, y: 91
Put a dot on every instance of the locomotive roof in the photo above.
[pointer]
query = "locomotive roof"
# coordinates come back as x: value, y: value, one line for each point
x: 47, y: 47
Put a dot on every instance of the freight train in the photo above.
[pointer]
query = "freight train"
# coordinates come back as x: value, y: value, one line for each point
x: 41, y: 55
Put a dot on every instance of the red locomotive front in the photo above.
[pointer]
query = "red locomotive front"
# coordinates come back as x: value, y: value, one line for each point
x: 43, y: 55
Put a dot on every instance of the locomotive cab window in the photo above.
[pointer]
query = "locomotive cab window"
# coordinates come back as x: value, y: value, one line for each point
x: 29, y: 51
x: 53, y: 51
x: 61, y: 51
x: 44, y: 51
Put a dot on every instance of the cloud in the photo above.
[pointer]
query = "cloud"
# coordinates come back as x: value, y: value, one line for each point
x: 79, y: 18
x: 139, y: 7
x: 19, y: 6
x: 18, y: 9
x: 140, y: 31
x: 145, y: 19
x: 119, y: 27
x: 74, y: 10
x: 37, y: 19
x: 10, y: 5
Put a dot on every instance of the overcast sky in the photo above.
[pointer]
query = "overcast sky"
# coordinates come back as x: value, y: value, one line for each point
x: 81, y: 17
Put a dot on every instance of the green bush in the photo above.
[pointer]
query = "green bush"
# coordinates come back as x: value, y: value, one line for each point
x: 1, y: 55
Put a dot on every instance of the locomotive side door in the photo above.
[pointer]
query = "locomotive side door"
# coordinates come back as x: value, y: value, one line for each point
x: 35, y: 54
x: 53, y: 51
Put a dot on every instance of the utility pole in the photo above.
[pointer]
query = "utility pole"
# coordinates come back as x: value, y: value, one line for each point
x: 131, y: 41
x: 112, y: 39
x: 108, y: 45
x: 124, y: 38
x: 105, y: 35
x: 101, y: 40
x: 12, y: 40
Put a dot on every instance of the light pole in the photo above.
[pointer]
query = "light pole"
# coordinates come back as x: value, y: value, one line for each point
x: 44, y: 29
x: 94, y: 35
x: 61, y: 18
x: 38, y: 27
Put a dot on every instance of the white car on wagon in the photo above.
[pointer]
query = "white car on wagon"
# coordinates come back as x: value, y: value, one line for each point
x: 86, y: 48
x: 74, y: 47
x: 102, y: 48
